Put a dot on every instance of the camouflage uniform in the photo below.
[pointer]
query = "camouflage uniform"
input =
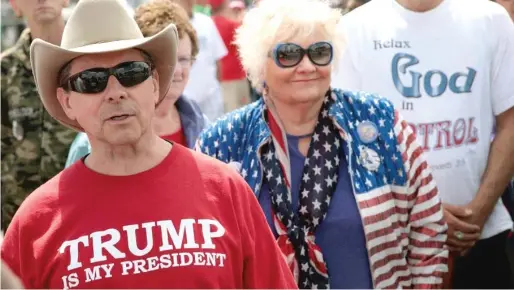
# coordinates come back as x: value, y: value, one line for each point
x: 34, y: 145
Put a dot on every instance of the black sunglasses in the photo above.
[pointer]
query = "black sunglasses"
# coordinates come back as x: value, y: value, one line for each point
x: 288, y: 55
x: 94, y: 80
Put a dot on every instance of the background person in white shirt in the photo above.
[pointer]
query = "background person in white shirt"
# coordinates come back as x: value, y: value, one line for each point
x: 204, y: 81
x: 448, y: 65
x: 508, y: 5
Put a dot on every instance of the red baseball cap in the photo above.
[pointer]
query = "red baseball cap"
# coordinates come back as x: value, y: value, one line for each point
x: 216, y: 3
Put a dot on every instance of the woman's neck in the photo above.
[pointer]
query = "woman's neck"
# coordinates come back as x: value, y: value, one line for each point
x: 299, y: 119
x: 168, y: 123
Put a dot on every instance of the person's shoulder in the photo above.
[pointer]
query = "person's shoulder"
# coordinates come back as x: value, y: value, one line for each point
x: 10, y: 53
x: 362, y: 99
x: 7, y: 56
x: 202, y: 19
x: 487, y: 19
x: 212, y: 167
x: 476, y: 8
x: 79, y: 148
x: 366, y: 12
x: 188, y: 106
x: 219, y: 177
x: 43, y: 202
x: 235, y: 121
x: 228, y: 137
x: 16, y: 52
x: 369, y: 16
x: 246, y: 112
x: 8, y: 59
x: 81, y: 140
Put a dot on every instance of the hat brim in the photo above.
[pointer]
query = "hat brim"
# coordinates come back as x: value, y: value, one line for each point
x: 47, y: 60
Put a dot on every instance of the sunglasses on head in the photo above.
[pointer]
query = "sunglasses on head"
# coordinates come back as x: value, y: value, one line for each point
x: 94, y: 80
x: 289, y: 54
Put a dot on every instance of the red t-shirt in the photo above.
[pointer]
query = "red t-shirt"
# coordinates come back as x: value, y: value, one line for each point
x: 177, y: 137
x: 231, y: 67
x: 189, y: 222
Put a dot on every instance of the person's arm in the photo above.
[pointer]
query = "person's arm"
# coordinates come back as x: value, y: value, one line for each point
x: 500, y: 163
x: 219, y: 50
x: 9, y: 279
x: 6, y: 128
x: 13, y: 249
x: 218, y: 70
x: 206, y: 122
x: 78, y: 149
x: 223, y: 138
x: 427, y: 253
x: 9, y: 189
x: 265, y: 266
x: 499, y: 170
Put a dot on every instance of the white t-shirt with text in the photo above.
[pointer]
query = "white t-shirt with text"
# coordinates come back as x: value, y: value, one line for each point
x: 448, y: 71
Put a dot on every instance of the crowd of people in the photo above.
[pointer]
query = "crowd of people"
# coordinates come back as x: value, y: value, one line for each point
x: 273, y: 144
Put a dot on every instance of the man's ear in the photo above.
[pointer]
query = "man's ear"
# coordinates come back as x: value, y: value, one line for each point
x: 155, y: 81
x: 15, y: 8
x: 64, y: 100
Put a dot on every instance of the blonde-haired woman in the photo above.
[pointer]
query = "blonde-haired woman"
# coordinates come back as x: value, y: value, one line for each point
x: 343, y: 184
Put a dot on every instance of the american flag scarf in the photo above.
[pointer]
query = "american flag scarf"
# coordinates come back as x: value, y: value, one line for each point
x: 319, y: 180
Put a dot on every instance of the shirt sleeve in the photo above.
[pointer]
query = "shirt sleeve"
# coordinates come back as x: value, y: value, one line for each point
x: 79, y: 148
x: 264, y: 266
x: 345, y: 74
x: 219, y: 50
x: 427, y: 254
x: 9, y: 279
x: 12, y: 255
x: 6, y: 128
x: 502, y: 90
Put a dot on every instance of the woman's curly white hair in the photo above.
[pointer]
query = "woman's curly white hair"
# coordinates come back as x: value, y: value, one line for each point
x: 272, y: 21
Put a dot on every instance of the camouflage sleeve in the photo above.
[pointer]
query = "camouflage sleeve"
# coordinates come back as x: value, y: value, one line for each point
x: 79, y: 148
x: 6, y: 144
x: 4, y: 107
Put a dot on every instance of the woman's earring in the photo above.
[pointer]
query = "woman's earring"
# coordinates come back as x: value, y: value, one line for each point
x: 264, y: 89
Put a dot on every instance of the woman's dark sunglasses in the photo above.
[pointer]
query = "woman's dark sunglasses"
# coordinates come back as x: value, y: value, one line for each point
x: 288, y: 55
x: 94, y: 80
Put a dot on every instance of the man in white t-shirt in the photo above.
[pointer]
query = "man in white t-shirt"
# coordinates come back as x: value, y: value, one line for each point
x: 204, y: 79
x: 448, y: 65
x: 508, y: 5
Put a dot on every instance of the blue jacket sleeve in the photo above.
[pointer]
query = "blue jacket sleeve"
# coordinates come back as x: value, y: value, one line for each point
x: 79, y: 148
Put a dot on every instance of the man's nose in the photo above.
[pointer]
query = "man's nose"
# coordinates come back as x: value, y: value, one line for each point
x: 115, y: 92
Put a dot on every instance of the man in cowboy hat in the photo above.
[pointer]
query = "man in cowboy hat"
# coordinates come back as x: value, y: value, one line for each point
x: 34, y: 145
x: 138, y: 211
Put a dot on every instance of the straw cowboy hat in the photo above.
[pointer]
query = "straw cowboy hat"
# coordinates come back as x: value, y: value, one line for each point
x: 98, y: 26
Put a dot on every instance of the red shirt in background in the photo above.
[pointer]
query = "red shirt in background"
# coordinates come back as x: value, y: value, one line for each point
x: 178, y: 137
x: 189, y: 222
x: 231, y: 68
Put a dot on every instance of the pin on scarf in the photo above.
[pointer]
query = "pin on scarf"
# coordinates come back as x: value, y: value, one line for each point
x: 368, y: 132
x: 369, y: 158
